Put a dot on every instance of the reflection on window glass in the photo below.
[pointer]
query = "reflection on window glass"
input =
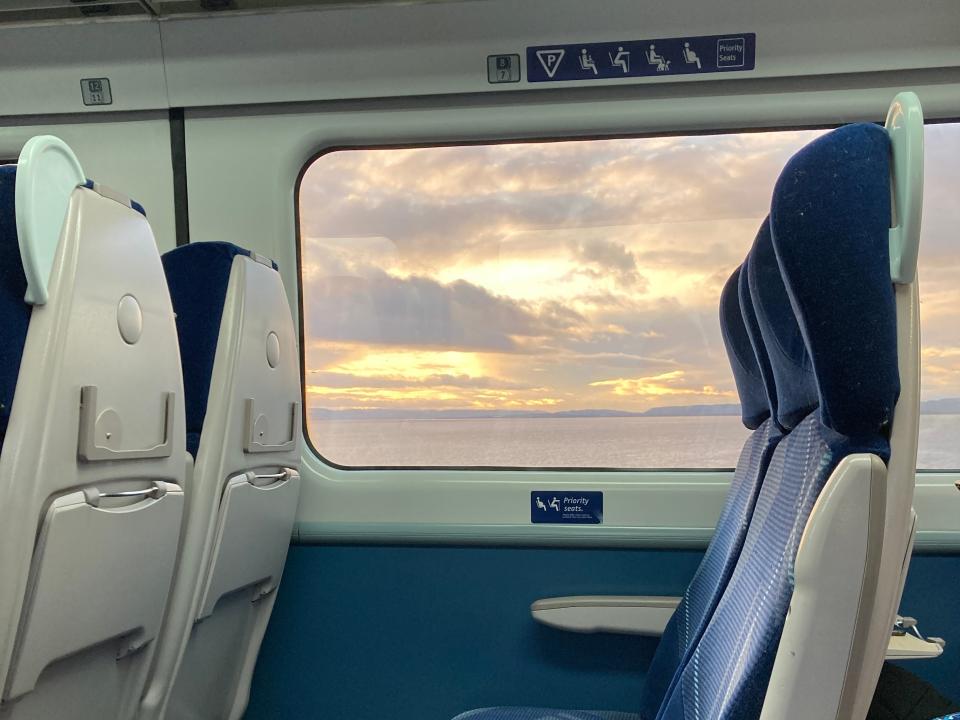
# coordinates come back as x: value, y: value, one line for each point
x: 555, y: 304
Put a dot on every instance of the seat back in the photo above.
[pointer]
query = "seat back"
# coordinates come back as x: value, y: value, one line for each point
x: 905, y: 126
x: 814, y: 543
x: 702, y: 594
x: 242, y: 380
x: 92, y: 459
x: 875, y: 340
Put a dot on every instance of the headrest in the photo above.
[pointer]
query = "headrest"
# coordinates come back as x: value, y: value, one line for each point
x: 756, y: 340
x: 754, y: 405
x: 197, y: 275
x: 793, y: 379
x: 830, y: 223
x: 14, y: 312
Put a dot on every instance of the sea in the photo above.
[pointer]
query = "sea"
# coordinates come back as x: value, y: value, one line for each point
x: 683, y: 442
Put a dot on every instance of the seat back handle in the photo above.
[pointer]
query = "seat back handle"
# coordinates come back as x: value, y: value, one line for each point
x: 93, y: 495
x: 264, y: 480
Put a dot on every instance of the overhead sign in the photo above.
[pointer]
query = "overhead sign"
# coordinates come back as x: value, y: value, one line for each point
x: 660, y: 57
x: 566, y: 508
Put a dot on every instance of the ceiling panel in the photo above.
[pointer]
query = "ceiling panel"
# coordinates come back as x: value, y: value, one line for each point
x: 53, y: 11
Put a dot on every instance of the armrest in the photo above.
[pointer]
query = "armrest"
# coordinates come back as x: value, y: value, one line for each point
x: 911, y: 647
x: 649, y: 615
x: 623, y: 614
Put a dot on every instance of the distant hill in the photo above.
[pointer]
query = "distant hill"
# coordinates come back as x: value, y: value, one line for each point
x: 681, y: 410
x: 943, y: 406
x: 468, y: 414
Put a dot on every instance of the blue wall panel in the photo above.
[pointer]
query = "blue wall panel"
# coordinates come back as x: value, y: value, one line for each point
x: 930, y: 596
x: 422, y: 633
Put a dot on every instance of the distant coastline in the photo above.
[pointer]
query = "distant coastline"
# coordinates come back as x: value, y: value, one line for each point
x: 944, y: 406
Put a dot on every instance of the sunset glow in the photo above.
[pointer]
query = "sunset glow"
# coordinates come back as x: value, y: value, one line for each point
x: 558, y: 276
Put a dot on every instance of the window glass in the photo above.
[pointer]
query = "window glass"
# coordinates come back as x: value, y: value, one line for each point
x: 939, y: 276
x: 554, y: 304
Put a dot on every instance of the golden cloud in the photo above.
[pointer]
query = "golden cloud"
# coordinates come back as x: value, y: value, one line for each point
x: 668, y: 383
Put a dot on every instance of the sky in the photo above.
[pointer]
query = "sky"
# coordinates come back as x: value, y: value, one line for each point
x: 561, y: 275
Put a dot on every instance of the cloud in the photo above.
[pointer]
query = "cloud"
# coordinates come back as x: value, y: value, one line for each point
x: 416, y: 311
x: 576, y: 274
x: 671, y: 383
x: 612, y: 257
x: 333, y: 380
x: 440, y: 204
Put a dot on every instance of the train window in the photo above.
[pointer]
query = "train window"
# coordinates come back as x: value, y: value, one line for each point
x: 939, y: 265
x: 554, y: 304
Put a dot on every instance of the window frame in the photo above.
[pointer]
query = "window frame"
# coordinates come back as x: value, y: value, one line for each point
x: 473, y: 143
x: 243, y: 163
x: 561, y: 138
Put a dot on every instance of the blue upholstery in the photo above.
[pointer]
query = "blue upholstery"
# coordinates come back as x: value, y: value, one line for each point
x: 833, y: 253
x: 725, y: 676
x: 795, y: 383
x: 953, y: 716
x: 709, y: 582
x: 197, y: 276
x: 829, y: 224
x: 14, y: 312
x: 703, y: 593
x: 752, y: 327
x: 542, y: 714
x: 754, y: 405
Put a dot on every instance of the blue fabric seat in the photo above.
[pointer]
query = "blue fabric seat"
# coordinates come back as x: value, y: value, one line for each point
x: 827, y: 356
x: 829, y: 224
x: 197, y: 275
x: 14, y: 312
x: 755, y: 386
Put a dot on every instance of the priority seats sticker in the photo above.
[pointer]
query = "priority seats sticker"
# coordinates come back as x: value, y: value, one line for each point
x: 563, y: 507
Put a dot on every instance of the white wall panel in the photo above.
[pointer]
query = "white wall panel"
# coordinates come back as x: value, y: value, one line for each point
x: 129, y: 155
x: 265, y: 92
x: 242, y: 169
x: 441, y: 48
x: 41, y: 66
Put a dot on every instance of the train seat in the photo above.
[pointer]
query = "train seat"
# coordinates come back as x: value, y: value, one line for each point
x: 92, y: 459
x: 242, y: 384
x: 792, y: 635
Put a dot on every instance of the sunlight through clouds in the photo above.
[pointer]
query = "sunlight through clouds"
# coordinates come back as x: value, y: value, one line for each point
x: 558, y: 276
x: 669, y: 383
x: 413, y: 365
